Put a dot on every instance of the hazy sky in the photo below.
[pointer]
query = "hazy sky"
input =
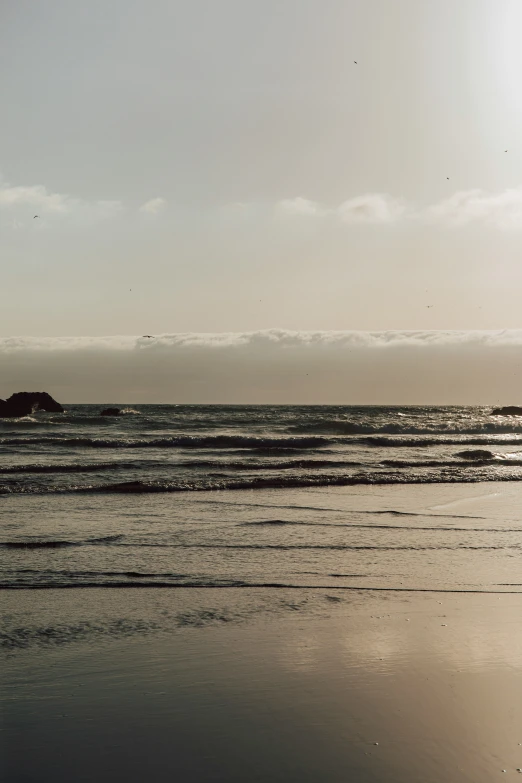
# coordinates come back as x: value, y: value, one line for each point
x: 272, y: 366
x: 224, y: 166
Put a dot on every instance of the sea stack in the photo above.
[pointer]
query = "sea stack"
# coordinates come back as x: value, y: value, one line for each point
x: 25, y: 403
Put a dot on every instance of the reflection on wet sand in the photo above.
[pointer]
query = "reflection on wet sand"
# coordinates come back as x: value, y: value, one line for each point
x: 369, y: 688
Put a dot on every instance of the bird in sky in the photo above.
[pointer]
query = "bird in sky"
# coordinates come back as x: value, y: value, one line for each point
x: 355, y: 62
x: 36, y: 216
x: 150, y: 336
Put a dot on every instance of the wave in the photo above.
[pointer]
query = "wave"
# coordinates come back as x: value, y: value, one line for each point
x: 115, y: 583
x: 268, y: 482
x: 282, y: 482
x: 255, y: 444
x: 359, y: 526
x: 442, y: 440
x: 99, y: 467
x: 20, y: 420
x: 94, y: 467
x: 58, y: 544
x: 342, y: 427
x: 175, y: 441
x: 260, y: 444
x: 37, y: 544
x: 494, y: 460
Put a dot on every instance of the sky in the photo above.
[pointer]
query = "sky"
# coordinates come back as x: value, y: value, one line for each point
x: 271, y: 366
x: 242, y: 166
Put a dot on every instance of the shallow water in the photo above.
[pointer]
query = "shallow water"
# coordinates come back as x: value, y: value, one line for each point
x: 300, y: 621
x: 296, y: 496
x: 456, y: 537
x: 179, y: 448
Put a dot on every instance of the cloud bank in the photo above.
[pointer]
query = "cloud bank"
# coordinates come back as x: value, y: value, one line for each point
x: 272, y: 366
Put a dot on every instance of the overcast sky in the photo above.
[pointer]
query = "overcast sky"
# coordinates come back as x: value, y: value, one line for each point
x: 226, y: 166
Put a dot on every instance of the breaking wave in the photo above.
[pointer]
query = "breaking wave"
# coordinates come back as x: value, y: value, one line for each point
x: 261, y: 444
x: 341, y: 427
x: 226, y: 483
x: 443, y: 440
x: 175, y: 441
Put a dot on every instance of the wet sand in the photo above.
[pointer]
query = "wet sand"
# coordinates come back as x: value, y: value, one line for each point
x: 260, y: 685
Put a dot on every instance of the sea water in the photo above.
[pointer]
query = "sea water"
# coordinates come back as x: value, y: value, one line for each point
x: 256, y: 496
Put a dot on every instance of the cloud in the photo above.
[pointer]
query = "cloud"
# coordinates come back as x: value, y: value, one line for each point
x: 34, y: 196
x: 154, y: 206
x: 270, y: 366
x: 503, y: 210
x: 300, y: 206
x: 19, y: 199
x: 371, y: 208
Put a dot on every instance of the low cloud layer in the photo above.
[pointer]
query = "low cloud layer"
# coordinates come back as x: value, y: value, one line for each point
x: 272, y: 366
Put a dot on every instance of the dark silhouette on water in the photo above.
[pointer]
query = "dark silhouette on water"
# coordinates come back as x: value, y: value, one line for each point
x: 111, y: 412
x: 25, y: 403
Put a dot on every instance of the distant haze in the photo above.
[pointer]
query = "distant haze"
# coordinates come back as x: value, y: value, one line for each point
x: 274, y: 366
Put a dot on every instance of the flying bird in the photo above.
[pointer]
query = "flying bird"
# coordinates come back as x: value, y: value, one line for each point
x: 355, y: 62
x: 150, y: 336
x: 36, y: 216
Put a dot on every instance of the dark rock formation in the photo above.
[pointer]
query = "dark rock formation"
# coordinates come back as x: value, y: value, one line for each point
x: 478, y: 454
x: 25, y: 403
x: 509, y: 410
x: 111, y: 412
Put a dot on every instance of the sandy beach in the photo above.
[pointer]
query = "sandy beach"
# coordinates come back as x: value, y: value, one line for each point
x: 161, y: 685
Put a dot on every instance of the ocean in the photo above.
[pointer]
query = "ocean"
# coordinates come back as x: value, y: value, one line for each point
x: 260, y: 593
x: 232, y: 496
